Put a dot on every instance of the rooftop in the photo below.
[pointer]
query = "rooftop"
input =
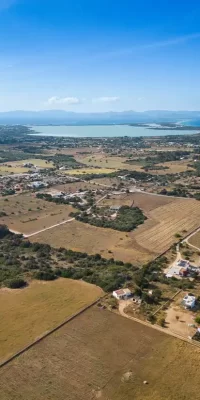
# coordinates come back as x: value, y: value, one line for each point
x: 122, y: 291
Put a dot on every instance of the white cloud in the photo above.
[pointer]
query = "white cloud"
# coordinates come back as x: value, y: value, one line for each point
x: 106, y: 99
x: 63, y: 100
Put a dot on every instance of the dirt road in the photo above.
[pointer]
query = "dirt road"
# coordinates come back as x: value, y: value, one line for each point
x: 124, y: 303
x: 54, y: 226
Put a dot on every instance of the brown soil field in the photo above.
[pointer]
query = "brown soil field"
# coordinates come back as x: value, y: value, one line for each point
x: 166, y: 217
x: 75, y: 186
x: 27, y: 214
x: 101, y: 355
x: 145, y: 201
x: 195, y: 240
x: 180, y: 215
x: 28, y: 313
x: 106, y: 181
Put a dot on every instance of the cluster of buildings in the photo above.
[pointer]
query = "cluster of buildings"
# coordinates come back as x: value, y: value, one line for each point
x: 33, y: 180
x: 181, y: 269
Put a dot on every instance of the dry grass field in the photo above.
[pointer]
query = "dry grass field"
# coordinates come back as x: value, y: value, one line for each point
x: 174, y: 167
x: 85, y: 171
x: 28, y: 313
x: 83, y: 151
x: 37, y: 162
x: 176, y: 217
x: 16, y: 167
x: 107, y: 161
x: 74, y: 187
x: 27, y: 214
x: 79, y: 236
x: 166, y: 217
x: 195, y: 240
x: 100, y: 355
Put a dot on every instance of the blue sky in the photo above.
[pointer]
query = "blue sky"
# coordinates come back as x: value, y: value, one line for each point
x: 83, y: 55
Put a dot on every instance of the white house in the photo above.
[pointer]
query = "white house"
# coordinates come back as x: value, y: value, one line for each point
x: 189, y: 301
x: 122, y: 294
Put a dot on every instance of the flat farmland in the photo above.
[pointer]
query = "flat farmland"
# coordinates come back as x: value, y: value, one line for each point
x: 106, y: 161
x: 145, y: 201
x: 30, y: 312
x: 195, y: 239
x: 174, y: 167
x: 101, y: 355
x: 86, y: 170
x: 74, y: 187
x: 166, y: 217
x: 38, y: 162
x: 83, y: 151
x: 27, y: 214
x: 17, y: 167
x: 176, y: 217
x: 79, y: 236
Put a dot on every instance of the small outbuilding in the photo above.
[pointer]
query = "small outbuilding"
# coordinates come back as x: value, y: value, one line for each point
x: 122, y: 294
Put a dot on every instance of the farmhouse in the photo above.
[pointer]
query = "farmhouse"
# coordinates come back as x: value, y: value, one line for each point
x: 122, y: 294
x: 189, y: 301
x: 37, y: 185
x: 183, y: 263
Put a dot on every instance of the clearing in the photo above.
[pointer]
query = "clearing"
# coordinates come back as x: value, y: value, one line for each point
x: 101, y: 355
x: 26, y: 214
x: 30, y: 312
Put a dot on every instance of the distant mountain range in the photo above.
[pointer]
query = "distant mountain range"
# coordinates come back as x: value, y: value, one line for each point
x: 61, y: 117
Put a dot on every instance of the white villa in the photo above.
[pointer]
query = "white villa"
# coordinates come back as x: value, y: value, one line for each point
x: 189, y: 301
x: 122, y: 294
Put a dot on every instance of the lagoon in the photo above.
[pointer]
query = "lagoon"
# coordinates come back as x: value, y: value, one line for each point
x: 96, y: 131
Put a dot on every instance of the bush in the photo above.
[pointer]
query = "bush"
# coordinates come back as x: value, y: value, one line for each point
x: 197, y: 319
x: 45, y: 276
x: 15, y: 283
x: 161, y: 322
x: 4, y: 231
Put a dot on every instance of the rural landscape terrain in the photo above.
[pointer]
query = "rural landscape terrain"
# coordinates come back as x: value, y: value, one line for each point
x: 99, y: 266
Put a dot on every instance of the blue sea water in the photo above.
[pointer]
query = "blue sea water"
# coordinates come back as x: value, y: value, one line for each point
x: 106, y: 131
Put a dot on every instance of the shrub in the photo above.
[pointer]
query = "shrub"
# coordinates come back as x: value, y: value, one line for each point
x: 197, y: 319
x: 15, y: 283
x: 45, y: 276
x: 161, y: 322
